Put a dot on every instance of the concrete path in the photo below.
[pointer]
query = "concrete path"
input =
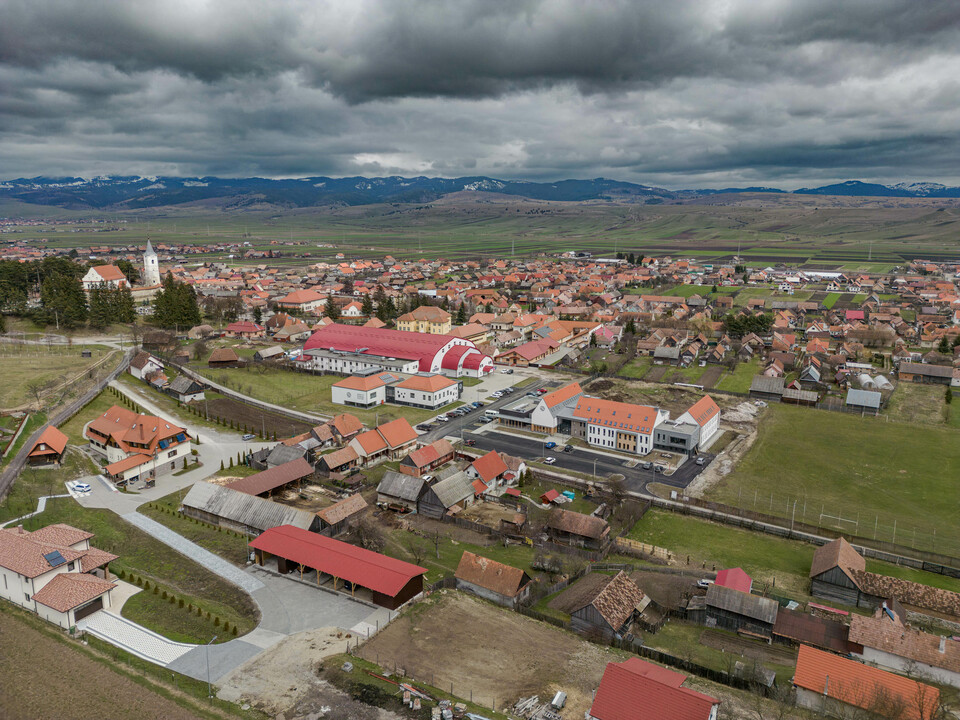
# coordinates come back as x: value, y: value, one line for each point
x: 133, y: 638
x: 216, y: 564
x: 41, y: 506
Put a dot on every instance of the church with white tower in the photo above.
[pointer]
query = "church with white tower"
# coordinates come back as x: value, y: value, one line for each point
x: 151, y: 267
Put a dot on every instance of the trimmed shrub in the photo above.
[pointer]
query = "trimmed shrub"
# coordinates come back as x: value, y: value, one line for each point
x: 164, y: 594
x: 234, y: 630
x: 181, y: 602
x: 216, y: 621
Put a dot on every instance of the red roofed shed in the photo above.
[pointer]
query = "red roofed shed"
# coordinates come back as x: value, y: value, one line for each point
x: 549, y: 496
x: 638, y: 690
x: 391, y: 581
x: 735, y: 579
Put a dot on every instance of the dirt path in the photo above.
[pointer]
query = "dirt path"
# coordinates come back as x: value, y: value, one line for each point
x: 711, y: 375
x: 285, y: 679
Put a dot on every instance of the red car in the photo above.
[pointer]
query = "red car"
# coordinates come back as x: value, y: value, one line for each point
x: 543, y: 391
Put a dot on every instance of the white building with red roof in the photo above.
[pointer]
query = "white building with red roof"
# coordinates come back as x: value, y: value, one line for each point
x: 351, y: 349
x: 107, y: 276
x: 136, y: 447
x: 54, y: 572
x: 704, y: 413
x: 546, y: 415
x: 615, y: 425
x: 426, y: 391
x: 639, y: 690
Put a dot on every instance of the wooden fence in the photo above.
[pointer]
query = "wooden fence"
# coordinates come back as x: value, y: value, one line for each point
x: 625, y: 543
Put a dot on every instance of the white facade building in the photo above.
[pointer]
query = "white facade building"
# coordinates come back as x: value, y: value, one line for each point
x: 151, y: 267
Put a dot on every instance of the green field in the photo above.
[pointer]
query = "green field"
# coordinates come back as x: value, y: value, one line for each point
x: 739, y: 380
x: 175, y: 574
x: 867, y: 476
x: 830, y: 300
x: 33, y: 483
x: 46, y: 367
x: 687, y: 291
x: 781, y: 565
x: 637, y: 368
x: 310, y: 393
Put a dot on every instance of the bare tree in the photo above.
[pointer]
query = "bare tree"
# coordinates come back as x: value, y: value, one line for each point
x: 416, y: 549
x: 371, y: 535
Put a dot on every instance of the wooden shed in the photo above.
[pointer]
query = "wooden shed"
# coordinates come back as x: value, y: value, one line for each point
x: 833, y: 572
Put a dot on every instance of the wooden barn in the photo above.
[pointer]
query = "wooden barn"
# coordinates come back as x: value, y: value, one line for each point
x: 613, y: 608
x: 339, y: 515
x: 833, y: 572
x: 492, y: 580
x: 572, y: 528
x: 249, y: 514
x: 740, y: 612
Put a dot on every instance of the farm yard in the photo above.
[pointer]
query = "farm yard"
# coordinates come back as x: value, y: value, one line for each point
x: 28, y: 370
x: 437, y: 643
x: 866, y: 475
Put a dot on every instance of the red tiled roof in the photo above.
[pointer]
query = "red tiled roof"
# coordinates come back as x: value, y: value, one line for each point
x: 550, y: 495
x: 371, y: 442
x: 129, y: 430
x: 704, y: 410
x: 490, y: 466
x: 638, y: 690
x: 354, y: 382
x: 127, y: 463
x: 491, y: 575
x: 608, y: 413
x: 363, y: 567
x: 397, y: 432
x: 431, y: 383
x: 54, y: 440
x: 110, y: 273
x: 857, y: 684
x: 346, y: 424
x: 66, y: 591
x: 552, y: 399
x: 379, y: 341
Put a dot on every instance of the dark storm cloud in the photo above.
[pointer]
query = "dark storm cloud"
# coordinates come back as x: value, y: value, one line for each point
x: 667, y: 92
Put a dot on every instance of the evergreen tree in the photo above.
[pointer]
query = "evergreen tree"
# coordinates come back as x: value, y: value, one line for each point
x: 257, y: 315
x: 124, y: 310
x: 632, y: 259
x: 944, y: 347
x: 130, y: 271
x: 462, y: 314
x: 366, y: 307
x: 331, y: 310
x: 62, y: 300
x: 99, y: 315
x: 175, y: 305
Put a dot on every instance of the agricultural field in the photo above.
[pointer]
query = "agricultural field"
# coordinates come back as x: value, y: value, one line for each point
x: 831, y: 300
x: 867, y: 476
x: 142, y: 555
x: 28, y: 648
x: 46, y: 369
x: 637, y: 368
x: 919, y: 403
x: 780, y: 565
x: 686, y: 291
x: 740, y: 378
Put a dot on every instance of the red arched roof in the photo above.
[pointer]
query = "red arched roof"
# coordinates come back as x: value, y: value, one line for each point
x: 451, y: 358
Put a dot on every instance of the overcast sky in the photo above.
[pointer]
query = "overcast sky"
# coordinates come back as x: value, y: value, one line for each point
x: 677, y: 93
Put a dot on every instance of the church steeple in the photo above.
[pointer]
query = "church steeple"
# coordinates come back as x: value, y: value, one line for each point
x: 151, y: 267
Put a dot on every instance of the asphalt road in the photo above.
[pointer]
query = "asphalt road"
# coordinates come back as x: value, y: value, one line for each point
x: 454, y: 426
x: 588, y: 462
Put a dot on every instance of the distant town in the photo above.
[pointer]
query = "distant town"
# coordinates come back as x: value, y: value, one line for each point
x: 554, y: 487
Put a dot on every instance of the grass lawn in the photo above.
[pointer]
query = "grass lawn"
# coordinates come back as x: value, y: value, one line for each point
x: 227, y: 544
x: 34, y: 422
x: 830, y: 300
x: 33, y: 483
x: 690, y: 374
x: 176, y: 574
x: 637, y: 368
x: 782, y: 564
x: 166, y: 403
x: 22, y: 365
x: 912, y: 402
x: 535, y: 488
x: 308, y: 393
x: 739, y: 380
x: 400, y: 542
x: 687, y: 291
x: 682, y: 640
x: 854, y: 467
x: 859, y: 298
x: 73, y: 428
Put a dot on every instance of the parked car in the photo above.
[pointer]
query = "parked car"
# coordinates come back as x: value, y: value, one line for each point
x: 470, y: 442
x: 704, y: 583
x: 550, y: 460
x: 248, y: 436
x: 479, y: 404
x: 427, y: 478
x: 647, y: 465
x: 506, y: 371
x: 550, y: 445
x: 532, y: 394
x: 82, y: 487
x: 542, y: 391
x: 659, y: 468
x: 509, y: 371
x: 568, y: 448
x: 701, y: 461
x: 423, y: 427
x: 442, y: 418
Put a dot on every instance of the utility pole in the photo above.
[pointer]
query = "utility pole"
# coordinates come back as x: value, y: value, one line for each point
x: 209, y: 690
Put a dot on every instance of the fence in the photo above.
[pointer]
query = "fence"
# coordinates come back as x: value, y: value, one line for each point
x: 16, y: 465
x: 470, y: 525
x: 816, y: 534
x: 624, y: 543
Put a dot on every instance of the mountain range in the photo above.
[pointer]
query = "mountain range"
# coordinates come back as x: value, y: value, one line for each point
x: 119, y: 192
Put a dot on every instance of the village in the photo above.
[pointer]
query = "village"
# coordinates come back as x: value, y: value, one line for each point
x: 410, y: 457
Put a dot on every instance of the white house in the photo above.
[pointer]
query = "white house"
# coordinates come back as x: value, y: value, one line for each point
x: 426, y: 391
x: 54, y: 572
x: 544, y: 417
x: 143, y: 364
x: 104, y: 276
x: 363, y: 392
x: 705, y: 413
x: 137, y: 447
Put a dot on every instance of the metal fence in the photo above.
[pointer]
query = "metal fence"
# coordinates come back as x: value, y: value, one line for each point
x: 17, y: 463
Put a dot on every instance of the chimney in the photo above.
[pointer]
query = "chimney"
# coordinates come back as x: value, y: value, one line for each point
x: 943, y: 644
x: 20, y: 529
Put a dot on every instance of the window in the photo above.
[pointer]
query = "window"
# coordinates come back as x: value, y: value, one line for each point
x: 172, y: 453
x: 71, y: 566
x: 27, y: 596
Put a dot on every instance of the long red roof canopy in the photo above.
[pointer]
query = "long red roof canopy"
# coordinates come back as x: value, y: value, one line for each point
x: 372, y: 570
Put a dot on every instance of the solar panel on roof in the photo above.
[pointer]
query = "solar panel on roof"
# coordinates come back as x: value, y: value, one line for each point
x: 181, y: 437
x: 54, y: 558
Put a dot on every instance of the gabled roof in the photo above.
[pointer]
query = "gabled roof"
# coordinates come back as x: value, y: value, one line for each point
x: 617, y: 600
x: 53, y: 439
x: 638, y: 690
x: 429, y: 453
x: 342, y: 510
x: 401, y: 486
x: 704, y: 410
x: 859, y: 685
x: 109, y: 273
x: 453, y: 489
x: 397, y: 433
x: 552, y: 399
x: 490, y: 466
x: 273, y: 478
x: 427, y: 383
x: 243, y: 508
x: 608, y: 413
x: 66, y: 591
x: 339, y: 458
x: 578, y: 524
x: 491, y: 575
x: 223, y: 355
x: 752, y: 606
x: 346, y: 424
x: 356, y: 565
x: 837, y: 553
